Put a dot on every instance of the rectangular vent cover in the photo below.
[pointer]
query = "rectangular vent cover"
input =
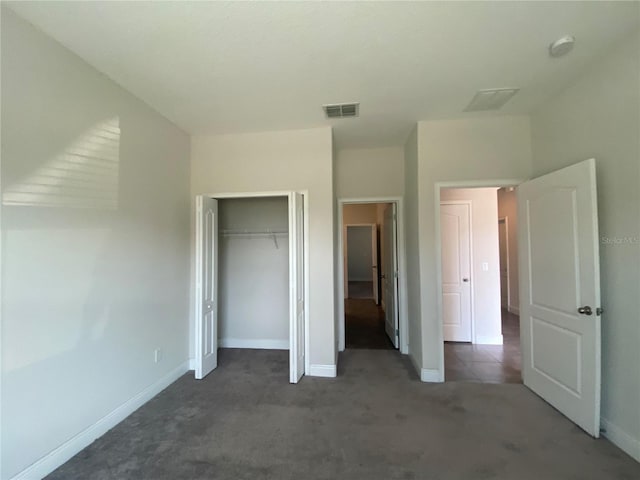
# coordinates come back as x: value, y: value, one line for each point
x: 342, y: 110
x: 491, y: 99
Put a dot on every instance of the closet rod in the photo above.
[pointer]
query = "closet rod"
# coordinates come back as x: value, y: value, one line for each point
x: 274, y: 234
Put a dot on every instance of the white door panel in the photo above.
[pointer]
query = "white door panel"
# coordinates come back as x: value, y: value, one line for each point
x: 296, y: 282
x: 560, y: 274
x: 455, y: 234
x: 390, y: 278
x: 206, y: 286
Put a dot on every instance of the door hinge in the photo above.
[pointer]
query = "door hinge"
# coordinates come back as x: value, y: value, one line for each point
x: 599, y: 311
x: 395, y: 274
x: 397, y: 333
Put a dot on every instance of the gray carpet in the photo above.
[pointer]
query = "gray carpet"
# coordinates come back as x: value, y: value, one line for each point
x: 375, y: 421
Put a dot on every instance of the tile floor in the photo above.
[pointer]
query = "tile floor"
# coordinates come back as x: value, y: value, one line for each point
x: 487, y: 363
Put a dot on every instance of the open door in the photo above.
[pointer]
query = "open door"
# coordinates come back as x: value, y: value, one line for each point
x: 560, y: 291
x: 296, y: 282
x: 390, y: 276
x: 374, y: 264
x: 206, y: 286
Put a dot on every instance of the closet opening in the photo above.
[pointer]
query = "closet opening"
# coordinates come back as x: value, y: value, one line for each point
x: 250, y: 277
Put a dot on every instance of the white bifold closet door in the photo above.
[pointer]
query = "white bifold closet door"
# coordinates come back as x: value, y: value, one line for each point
x: 206, y: 286
x: 296, y: 285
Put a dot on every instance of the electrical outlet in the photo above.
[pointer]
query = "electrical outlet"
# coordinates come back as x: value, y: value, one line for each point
x: 157, y: 355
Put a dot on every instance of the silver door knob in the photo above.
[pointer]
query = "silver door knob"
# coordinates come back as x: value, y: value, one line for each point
x: 585, y: 310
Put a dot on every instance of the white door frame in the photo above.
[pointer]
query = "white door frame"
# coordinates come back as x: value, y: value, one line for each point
x: 403, y: 319
x: 283, y: 193
x: 472, y: 310
x: 439, y: 186
x: 506, y: 245
x: 346, y: 255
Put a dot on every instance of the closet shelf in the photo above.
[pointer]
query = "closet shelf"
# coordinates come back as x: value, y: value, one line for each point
x: 268, y: 233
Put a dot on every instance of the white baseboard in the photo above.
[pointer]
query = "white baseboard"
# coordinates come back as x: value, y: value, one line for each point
x: 68, y: 449
x: 514, y: 310
x: 192, y: 364
x: 428, y: 375
x: 622, y: 439
x: 489, y: 340
x: 259, y: 344
x: 329, y: 371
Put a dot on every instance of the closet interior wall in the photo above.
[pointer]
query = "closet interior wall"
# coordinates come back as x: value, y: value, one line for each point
x: 253, y: 274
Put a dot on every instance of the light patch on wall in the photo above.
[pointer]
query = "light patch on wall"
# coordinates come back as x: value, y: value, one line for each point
x: 84, y: 175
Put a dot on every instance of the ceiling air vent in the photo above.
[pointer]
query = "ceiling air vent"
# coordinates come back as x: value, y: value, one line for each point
x: 342, y: 110
x: 491, y: 99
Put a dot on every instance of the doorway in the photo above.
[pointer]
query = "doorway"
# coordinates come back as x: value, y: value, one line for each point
x: 366, y: 244
x: 251, y: 268
x: 478, y: 240
x: 560, y: 324
x: 372, y: 304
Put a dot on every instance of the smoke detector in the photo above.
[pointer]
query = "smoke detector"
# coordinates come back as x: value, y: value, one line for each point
x: 341, y: 110
x: 490, y: 99
x: 562, y: 46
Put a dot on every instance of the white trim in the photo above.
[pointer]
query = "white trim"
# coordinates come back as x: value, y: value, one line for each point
x: 505, y: 219
x: 307, y: 252
x: 430, y: 375
x: 621, y: 439
x: 71, y: 447
x: 403, y: 319
x: 514, y: 310
x: 192, y: 364
x: 437, y: 187
x: 329, y: 371
x: 261, y: 344
x: 275, y: 193
x: 427, y: 375
x: 489, y: 340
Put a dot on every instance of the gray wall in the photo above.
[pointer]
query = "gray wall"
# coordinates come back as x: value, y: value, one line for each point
x: 95, y: 245
x: 254, y: 274
x: 359, y: 254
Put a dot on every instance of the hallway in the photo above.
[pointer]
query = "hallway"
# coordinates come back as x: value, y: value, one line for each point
x: 364, y: 325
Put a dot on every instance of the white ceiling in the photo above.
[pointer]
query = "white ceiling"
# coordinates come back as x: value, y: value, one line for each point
x: 238, y: 67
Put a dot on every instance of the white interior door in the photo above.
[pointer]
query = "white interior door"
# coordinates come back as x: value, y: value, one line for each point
x: 560, y: 291
x: 374, y: 263
x: 390, y: 275
x: 456, y: 271
x: 296, y: 282
x: 206, y: 286
x: 504, y: 265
